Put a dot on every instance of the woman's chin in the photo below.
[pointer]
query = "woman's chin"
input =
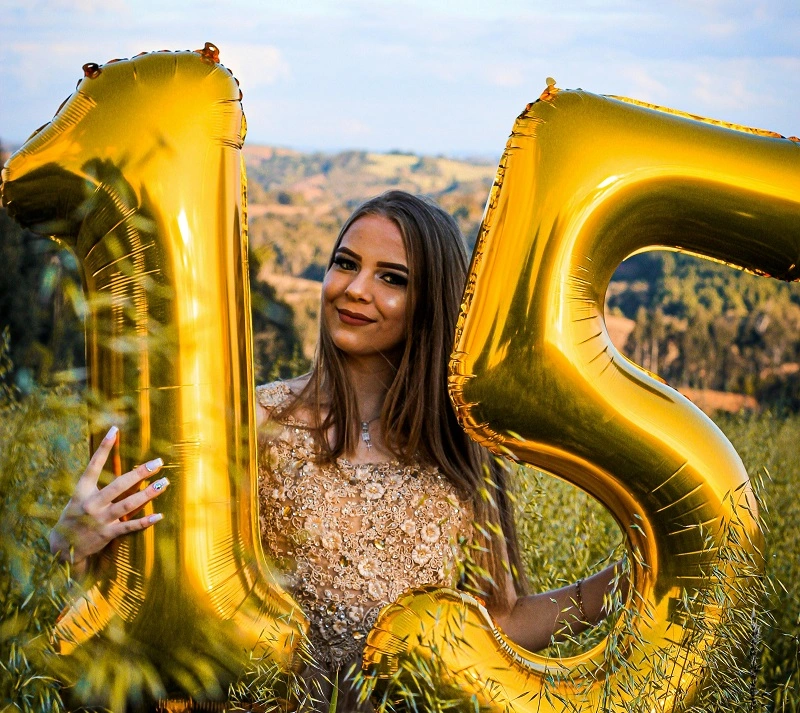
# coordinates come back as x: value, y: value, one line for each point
x: 364, y: 352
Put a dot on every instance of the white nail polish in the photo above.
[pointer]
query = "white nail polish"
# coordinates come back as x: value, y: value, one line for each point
x: 112, y: 433
x: 155, y: 518
x: 153, y: 465
x: 160, y: 484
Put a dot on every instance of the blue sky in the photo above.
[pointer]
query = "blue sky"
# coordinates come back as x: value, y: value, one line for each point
x: 433, y: 76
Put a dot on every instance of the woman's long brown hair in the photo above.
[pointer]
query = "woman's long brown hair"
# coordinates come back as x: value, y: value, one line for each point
x: 418, y: 420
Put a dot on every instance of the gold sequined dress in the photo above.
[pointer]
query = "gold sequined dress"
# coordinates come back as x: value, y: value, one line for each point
x: 350, y: 538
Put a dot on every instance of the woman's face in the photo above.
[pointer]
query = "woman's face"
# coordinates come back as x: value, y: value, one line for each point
x: 364, y: 292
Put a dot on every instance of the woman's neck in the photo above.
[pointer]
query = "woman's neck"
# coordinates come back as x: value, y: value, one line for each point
x: 371, y: 379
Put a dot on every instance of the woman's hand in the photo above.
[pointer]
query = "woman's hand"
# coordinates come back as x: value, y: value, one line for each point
x: 91, y: 518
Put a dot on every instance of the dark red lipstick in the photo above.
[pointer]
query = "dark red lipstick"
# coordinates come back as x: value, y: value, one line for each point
x: 353, y: 318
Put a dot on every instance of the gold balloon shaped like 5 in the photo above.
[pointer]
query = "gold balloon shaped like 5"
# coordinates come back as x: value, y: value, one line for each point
x: 140, y: 173
x: 586, y: 181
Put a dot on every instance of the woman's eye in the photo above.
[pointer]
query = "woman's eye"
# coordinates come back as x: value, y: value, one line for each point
x: 344, y: 263
x: 393, y: 278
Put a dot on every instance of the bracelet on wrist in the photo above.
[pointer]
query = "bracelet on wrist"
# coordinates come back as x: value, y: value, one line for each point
x: 579, y: 600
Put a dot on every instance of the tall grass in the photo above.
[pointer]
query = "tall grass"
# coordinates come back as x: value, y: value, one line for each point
x: 41, y: 444
x: 770, y: 448
x: 565, y: 535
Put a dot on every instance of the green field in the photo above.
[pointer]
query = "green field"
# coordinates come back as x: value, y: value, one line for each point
x: 565, y: 535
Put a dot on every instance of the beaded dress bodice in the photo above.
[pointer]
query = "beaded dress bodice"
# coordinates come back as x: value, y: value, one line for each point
x: 351, y: 538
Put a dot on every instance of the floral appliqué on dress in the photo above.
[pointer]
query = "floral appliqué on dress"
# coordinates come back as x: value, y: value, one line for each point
x: 351, y: 538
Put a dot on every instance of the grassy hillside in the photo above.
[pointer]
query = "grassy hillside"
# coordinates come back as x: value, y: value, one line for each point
x: 727, y: 339
x: 297, y: 202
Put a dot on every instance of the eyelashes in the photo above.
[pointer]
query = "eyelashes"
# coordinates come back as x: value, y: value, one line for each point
x: 390, y: 278
x: 344, y: 262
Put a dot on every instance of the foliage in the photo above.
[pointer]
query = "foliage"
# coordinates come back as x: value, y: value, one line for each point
x: 266, y: 687
x: 704, y: 325
x: 42, y: 441
x: 277, y: 346
x: 40, y: 303
x: 8, y: 392
x: 38, y: 456
x: 586, y: 541
x: 42, y: 307
x: 768, y: 446
x: 697, y: 324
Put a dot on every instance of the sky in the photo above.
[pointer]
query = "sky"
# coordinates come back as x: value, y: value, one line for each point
x: 429, y: 76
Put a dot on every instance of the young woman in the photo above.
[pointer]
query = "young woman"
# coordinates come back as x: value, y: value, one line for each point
x: 368, y: 485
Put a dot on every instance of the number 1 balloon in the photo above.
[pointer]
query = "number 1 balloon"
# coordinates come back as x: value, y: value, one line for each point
x: 140, y: 173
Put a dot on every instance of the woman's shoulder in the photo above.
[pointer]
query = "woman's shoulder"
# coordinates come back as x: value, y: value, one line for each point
x: 276, y: 395
x: 273, y: 395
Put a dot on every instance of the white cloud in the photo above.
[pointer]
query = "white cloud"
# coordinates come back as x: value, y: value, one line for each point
x: 31, y: 65
x: 723, y: 92
x: 721, y: 29
x: 255, y: 65
x: 754, y: 91
x: 389, y: 74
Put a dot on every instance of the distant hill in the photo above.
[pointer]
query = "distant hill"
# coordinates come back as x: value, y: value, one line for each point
x: 297, y: 201
x: 709, y: 330
x: 727, y: 339
x: 706, y: 327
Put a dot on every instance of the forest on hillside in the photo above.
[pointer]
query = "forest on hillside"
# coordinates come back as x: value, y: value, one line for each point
x: 705, y: 325
x: 696, y: 323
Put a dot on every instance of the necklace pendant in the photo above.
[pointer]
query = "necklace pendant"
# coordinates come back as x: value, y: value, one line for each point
x: 365, y: 435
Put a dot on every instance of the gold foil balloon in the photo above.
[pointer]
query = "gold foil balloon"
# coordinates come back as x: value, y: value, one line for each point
x: 586, y: 181
x: 140, y: 173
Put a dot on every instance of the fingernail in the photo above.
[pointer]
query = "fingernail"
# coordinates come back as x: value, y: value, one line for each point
x: 153, y: 465
x: 112, y: 433
x: 155, y: 518
x: 160, y: 484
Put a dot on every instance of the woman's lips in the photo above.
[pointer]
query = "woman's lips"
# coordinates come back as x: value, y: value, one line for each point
x: 353, y: 318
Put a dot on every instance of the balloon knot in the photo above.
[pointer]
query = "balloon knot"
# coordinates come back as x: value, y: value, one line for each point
x: 91, y: 70
x: 550, y: 91
x: 210, y: 52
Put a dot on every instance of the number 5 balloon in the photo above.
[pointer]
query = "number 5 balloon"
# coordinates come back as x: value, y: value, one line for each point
x: 585, y: 182
x: 140, y: 173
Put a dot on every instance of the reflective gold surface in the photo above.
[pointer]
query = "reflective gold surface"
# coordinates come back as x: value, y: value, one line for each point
x: 140, y: 173
x: 585, y: 182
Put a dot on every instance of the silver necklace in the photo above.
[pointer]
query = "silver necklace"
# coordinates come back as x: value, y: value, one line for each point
x: 365, y: 432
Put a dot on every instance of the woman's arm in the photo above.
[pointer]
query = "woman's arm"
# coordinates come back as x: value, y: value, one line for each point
x: 534, y: 621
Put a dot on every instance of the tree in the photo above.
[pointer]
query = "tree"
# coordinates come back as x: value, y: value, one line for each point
x: 40, y: 303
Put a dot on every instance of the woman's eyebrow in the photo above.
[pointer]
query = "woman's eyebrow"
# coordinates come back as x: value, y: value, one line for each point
x: 394, y: 265
x: 348, y: 251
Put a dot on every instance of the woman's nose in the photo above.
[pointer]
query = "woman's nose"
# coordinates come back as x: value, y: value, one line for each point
x: 358, y: 288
